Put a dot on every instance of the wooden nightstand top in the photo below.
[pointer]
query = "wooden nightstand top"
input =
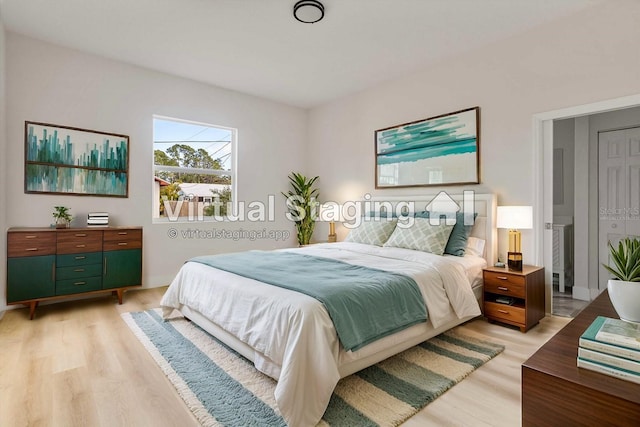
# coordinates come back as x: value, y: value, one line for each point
x: 526, y: 270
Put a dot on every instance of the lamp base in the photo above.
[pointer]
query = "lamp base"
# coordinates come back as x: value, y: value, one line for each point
x: 514, y: 261
x: 332, y: 238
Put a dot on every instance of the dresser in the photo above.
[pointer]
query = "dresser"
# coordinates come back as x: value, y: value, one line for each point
x: 514, y: 297
x: 50, y: 264
x: 555, y: 392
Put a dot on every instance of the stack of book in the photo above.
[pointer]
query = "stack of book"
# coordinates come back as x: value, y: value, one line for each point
x: 98, y: 219
x: 612, y: 347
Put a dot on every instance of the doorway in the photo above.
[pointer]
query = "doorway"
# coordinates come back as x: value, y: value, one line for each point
x: 585, y: 223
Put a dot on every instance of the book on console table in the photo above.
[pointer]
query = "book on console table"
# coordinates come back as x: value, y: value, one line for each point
x: 622, y: 374
x: 603, y: 335
x: 609, y: 360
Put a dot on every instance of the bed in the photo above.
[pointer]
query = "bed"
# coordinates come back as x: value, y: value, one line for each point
x: 291, y: 337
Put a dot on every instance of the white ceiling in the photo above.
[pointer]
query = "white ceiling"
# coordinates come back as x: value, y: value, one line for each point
x: 257, y: 47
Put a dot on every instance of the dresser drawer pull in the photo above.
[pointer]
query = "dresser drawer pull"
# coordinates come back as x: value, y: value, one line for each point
x: 122, y: 243
x: 31, y: 249
x: 502, y: 288
x: 81, y: 246
x: 123, y: 233
x: 80, y: 257
x: 502, y: 277
x: 78, y: 270
x: 503, y: 311
x: 31, y: 236
x: 81, y: 234
x: 80, y: 283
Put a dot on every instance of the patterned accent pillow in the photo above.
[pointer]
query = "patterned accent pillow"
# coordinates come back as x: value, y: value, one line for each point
x: 372, y: 232
x: 421, y: 236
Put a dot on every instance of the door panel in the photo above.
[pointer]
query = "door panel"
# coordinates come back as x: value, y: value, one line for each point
x: 618, y: 191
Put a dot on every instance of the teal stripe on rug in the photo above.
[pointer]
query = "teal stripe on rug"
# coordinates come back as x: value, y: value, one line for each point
x: 405, y: 391
x: 489, y: 351
x: 473, y: 361
x: 340, y: 413
x: 226, y: 400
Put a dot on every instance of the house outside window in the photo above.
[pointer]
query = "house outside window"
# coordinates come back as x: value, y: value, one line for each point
x: 193, y: 172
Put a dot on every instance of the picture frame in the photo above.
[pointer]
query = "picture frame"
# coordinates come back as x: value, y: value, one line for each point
x: 440, y: 150
x: 74, y: 161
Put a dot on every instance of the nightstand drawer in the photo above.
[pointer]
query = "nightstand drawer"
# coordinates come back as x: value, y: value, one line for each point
x: 504, y: 312
x: 505, y: 288
x: 502, y: 278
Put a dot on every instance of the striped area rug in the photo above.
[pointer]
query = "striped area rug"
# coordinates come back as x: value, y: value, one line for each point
x: 222, y: 388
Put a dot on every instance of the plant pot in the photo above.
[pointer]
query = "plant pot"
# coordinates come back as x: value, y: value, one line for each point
x: 62, y: 224
x: 625, y: 297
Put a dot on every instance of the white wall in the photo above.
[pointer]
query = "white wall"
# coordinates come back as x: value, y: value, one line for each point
x: 50, y: 84
x: 563, y: 140
x: 576, y: 60
x: 3, y: 156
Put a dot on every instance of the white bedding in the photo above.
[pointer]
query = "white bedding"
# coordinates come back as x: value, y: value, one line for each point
x: 292, y: 335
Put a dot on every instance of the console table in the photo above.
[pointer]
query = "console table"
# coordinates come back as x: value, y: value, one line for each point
x: 48, y: 264
x: 556, y: 392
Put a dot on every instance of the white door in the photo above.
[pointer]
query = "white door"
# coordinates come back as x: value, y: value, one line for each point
x: 618, y: 191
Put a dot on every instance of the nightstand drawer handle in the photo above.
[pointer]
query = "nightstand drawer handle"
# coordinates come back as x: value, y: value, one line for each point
x: 503, y: 311
x: 502, y: 288
x: 502, y: 277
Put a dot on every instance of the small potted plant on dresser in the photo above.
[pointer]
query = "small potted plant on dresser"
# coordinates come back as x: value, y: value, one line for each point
x: 62, y: 216
x: 624, y: 290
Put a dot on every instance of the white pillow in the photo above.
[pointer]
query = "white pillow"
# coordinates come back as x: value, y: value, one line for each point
x: 422, y: 236
x: 475, y: 247
x: 372, y: 232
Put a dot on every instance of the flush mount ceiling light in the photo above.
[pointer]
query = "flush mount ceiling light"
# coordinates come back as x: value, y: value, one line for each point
x: 308, y: 11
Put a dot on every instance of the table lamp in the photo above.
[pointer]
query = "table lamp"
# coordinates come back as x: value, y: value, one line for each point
x: 515, y: 218
x: 331, y: 212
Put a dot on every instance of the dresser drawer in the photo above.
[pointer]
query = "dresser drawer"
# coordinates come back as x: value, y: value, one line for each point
x: 78, y: 271
x: 76, y: 286
x: 72, y: 242
x: 70, y: 260
x: 504, y: 312
x: 115, y: 240
x: 20, y: 244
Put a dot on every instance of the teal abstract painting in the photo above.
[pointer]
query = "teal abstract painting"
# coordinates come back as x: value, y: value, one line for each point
x: 67, y: 160
x: 442, y: 150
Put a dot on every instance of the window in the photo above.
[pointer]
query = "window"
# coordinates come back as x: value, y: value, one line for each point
x: 193, y: 169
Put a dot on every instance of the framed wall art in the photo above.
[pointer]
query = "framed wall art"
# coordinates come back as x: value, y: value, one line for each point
x: 441, y: 150
x: 67, y: 160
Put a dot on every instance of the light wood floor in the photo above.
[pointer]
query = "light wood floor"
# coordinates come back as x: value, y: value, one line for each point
x: 77, y: 364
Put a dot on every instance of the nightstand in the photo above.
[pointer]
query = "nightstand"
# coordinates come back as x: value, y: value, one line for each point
x: 514, y: 297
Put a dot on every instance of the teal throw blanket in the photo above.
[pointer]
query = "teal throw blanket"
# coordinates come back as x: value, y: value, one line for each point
x: 365, y: 304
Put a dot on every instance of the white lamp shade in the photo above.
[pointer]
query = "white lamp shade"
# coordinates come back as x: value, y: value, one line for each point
x: 515, y: 217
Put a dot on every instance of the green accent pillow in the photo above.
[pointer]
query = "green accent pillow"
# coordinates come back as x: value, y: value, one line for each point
x: 421, y: 236
x: 372, y: 232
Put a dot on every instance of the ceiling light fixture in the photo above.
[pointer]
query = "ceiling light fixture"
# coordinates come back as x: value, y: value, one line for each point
x: 308, y: 11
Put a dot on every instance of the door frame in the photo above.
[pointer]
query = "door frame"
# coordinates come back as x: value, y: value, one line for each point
x: 542, y: 134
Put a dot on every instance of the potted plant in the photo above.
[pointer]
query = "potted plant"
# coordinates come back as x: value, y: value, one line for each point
x: 62, y: 216
x: 624, y: 290
x: 301, y: 203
